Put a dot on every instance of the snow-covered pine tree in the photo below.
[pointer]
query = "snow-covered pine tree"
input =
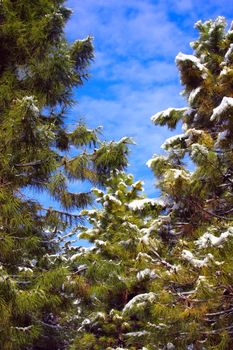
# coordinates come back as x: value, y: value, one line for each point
x: 116, y: 275
x: 198, y: 222
x: 38, y: 69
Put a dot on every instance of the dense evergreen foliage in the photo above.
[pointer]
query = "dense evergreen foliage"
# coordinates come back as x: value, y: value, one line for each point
x: 159, y: 275
x: 117, y: 267
x: 158, y: 272
x: 38, y: 69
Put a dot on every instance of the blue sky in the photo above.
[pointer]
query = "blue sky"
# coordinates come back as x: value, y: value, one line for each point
x: 134, y: 74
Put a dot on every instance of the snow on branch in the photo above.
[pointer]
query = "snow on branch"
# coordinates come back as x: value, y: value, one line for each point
x: 225, y: 106
x: 208, y: 239
x: 187, y: 255
x: 180, y: 58
x: 139, y: 204
x: 169, y: 116
x: 139, y: 300
x: 172, y: 141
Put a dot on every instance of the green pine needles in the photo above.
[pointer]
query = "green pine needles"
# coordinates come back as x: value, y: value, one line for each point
x: 158, y: 272
x: 38, y: 70
x: 159, y: 275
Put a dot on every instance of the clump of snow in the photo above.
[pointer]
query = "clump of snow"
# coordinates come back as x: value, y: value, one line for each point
x: 100, y: 242
x: 208, y: 239
x: 194, y: 133
x: 25, y: 269
x: 145, y: 256
x: 137, y: 334
x: 225, y: 71
x: 97, y: 191
x: 145, y: 239
x: 138, y: 184
x: 139, y: 204
x: 197, y: 149
x: 229, y: 54
x: 109, y: 198
x: 194, y: 61
x: 139, y: 300
x: 193, y: 94
x: 222, y: 136
x: 162, y: 116
x: 122, y: 184
x: 220, y: 21
x: 30, y: 103
x: 176, y: 174
x: 146, y: 274
x: 225, y: 105
x: 149, y: 163
x: 202, y: 282
x: 75, y: 256
x: 173, y: 139
x: 23, y: 329
x: 130, y: 226
x: 156, y: 158
x: 187, y: 255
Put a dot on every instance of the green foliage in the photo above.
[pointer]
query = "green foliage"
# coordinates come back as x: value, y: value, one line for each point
x: 199, y: 213
x: 38, y: 71
x: 159, y: 275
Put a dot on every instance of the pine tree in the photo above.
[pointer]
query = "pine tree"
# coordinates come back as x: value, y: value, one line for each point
x: 116, y: 268
x: 198, y: 222
x: 38, y: 70
x: 162, y: 278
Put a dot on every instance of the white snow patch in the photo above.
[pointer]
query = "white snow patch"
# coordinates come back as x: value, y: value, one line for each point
x: 203, y: 282
x: 145, y: 256
x: 145, y: 239
x: 139, y: 204
x: 23, y: 329
x: 75, y: 256
x: 25, y: 269
x: 173, y: 139
x: 163, y: 115
x: 97, y: 191
x: 176, y: 174
x: 187, y: 255
x: 109, y: 198
x: 122, y: 184
x: 149, y: 163
x: 193, y: 94
x: 137, y: 334
x: 30, y: 101
x: 225, y: 71
x: 208, y: 239
x: 197, y: 149
x: 146, y: 273
x: 100, y: 243
x: 139, y: 300
x: 229, y: 54
x: 195, y: 61
x: 131, y: 226
x: 227, y: 103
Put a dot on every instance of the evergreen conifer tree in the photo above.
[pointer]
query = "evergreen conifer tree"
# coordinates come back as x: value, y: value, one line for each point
x: 162, y: 279
x: 198, y: 222
x: 38, y: 69
x: 117, y: 269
